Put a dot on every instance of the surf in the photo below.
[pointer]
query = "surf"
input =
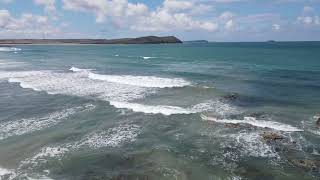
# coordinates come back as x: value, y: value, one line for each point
x: 254, y: 122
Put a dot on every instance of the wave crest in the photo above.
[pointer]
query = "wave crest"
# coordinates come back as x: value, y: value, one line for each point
x: 141, y: 81
x: 9, y: 49
x: 254, y: 122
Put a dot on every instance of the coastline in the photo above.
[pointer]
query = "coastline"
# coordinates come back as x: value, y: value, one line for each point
x: 139, y: 40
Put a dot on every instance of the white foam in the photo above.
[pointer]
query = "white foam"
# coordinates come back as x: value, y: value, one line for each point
x: 39, y: 177
x: 111, y: 138
x: 24, y: 126
x: 158, y: 109
x: 142, y: 81
x: 4, y: 172
x: 75, y: 84
x: 254, y: 122
x: 316, y: 132
x: 251, y: 144
x: 213, y: 106
x: 74, y: 69
x: 51, y: 152
x: 147, y: 57
x: 43, y: 156
x: 119, y: 90
x: 216, y: 107
x: 9, y: 49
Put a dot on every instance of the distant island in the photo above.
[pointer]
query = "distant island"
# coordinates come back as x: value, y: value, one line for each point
x: 196, y: 41
x: 140, y: 40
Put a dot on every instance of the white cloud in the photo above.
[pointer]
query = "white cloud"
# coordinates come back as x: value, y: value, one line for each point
x: 171, y: 15
x: 307, y: 9
x: 227, y: 15
x: 176, y: 5
x: 27, y: 24
x: 105, y: 8
x: 276, y: 27
x: 308, y: 20
x: 308, y: 17
x: 229, y: 25
x: 49, y: 5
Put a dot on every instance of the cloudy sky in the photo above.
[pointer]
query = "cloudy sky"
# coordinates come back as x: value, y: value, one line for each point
x: 214, y: 20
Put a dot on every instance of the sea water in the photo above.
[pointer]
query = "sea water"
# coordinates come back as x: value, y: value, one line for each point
x: 179, y: 111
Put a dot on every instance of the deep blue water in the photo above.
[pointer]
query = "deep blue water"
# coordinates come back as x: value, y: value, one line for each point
x: 179, y: 111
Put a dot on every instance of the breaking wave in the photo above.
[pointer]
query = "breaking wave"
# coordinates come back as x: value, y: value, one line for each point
x: 147, y: 57
x: 251, y: 144
x: 25, y: 126
x: 9, y: 49
x: 165, y: 110
x: 112, y: 137
x: 254, y: 122
x: 119, y: 90
x: 141, y: 81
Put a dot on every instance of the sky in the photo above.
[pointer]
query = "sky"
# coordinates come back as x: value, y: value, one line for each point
x: 213, y: 20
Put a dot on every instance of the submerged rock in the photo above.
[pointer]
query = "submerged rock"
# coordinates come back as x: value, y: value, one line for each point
x: 271, y: 136
x: 230, y: 125
x: 306, y: 163
x: 231, y: 97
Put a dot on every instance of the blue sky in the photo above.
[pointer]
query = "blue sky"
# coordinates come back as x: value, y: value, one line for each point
x: 214, y: 20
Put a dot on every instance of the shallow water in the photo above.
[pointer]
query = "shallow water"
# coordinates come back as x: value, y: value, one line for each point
x: 160, y: 111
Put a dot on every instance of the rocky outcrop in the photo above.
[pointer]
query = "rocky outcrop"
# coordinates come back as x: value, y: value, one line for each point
x: 140, y: 40
x: 317, y: 120
x: 231, y: 97
x: 271, y: 136
x: 306, y: 163
x: 233, y: 126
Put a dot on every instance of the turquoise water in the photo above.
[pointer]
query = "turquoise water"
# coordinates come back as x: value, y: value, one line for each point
x: 185, y: 111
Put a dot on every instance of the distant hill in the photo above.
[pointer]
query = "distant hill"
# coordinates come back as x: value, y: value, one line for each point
x: 196, y: 41
x: 140, y: 40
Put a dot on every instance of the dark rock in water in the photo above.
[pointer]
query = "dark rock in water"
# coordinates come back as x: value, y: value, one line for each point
x: 277, y: 149
x: 231, y: 97
x: 318, y: 121
x: 306, y: 164
x: 259, y: 115
x: 271, y: 136
x: 230, y: 125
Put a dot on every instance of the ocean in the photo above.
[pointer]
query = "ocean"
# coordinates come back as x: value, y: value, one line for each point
x: 226, y: 111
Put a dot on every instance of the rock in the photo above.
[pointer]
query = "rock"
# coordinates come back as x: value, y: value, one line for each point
x: 271, y: 136
x: 306, y: 163
x: 230, y: 125
x: 231, y: 97
x: 318, y: 121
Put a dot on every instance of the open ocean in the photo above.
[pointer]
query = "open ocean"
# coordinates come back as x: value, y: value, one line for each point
x: 168, y: 112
